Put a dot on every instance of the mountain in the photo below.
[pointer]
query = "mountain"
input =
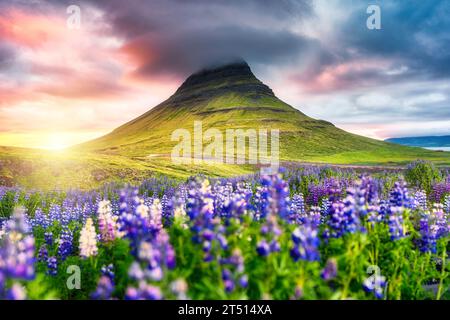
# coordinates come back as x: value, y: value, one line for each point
x: 424, y: 142
x: 230, y: 96
x: 223, y: 97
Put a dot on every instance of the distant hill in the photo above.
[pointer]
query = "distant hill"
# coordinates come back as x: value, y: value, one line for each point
x: 425, y: 141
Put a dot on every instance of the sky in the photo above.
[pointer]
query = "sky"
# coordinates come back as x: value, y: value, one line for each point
x: 61, y: 85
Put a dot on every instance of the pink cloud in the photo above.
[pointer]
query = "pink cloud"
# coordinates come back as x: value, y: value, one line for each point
x: 30, y: 30
x: 346, y: 75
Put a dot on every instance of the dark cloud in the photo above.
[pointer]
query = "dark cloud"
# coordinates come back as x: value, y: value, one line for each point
x: 182, y: 54
x: 179, y: 37
x: 414, y: 34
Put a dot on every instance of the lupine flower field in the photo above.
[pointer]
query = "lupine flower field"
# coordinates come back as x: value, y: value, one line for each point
x: 304, y: 233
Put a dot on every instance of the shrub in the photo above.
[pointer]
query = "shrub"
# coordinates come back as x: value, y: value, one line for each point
x: 422, y: 174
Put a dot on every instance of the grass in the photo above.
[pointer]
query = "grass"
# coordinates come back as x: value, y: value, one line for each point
x: 64, y: 170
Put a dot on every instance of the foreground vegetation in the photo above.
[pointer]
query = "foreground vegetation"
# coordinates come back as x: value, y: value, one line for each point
x: 305, y: 233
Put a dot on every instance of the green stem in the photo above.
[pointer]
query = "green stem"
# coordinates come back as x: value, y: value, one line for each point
x: 441, y: 280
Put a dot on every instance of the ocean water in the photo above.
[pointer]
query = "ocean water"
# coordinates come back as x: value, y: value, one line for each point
x: 439, y: 148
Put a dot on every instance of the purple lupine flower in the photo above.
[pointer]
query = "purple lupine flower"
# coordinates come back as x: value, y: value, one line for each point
x: 17, y: 249
x: 144, y: 291
x: 42, y: 253
x: 135, y: 272
x: 329, y: 272
x: 104, y: 290
x: 16, y: 292
x: 439, y: 190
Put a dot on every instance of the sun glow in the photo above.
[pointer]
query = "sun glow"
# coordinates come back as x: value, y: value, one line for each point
x: 56, y: 142
x: 53, y: 140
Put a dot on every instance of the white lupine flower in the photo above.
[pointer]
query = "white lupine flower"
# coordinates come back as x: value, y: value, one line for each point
x: 107, y: 222
x: 88, y: 240
x: 156, y: 213
x: 142, y: 210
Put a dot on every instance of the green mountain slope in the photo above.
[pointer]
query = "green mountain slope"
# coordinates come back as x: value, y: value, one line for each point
x: 232, y: 97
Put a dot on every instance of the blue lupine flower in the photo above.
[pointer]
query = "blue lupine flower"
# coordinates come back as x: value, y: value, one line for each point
x: 65, y: 246
x: 17, y: 249
x: 200, y: 209
x: 275, y: 195
x: 375, y: 284
x: 43, y: 253
x: 233, y: 274
x: 306, y: 243
x: 16, y: 256
x: 395, y: 223
x: 297, y: 210
x: 440, y: 220
x: 108, y: 271
x: 428, y: 233
x: 419, y: 200
x: 399, y: 196
x: 325, y: 209
x: 270, y: 232
x: 447, y: 205
x: 263, y: 248
x: 52, y: 266
x: 343, y: 218
x: 48, y: 238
